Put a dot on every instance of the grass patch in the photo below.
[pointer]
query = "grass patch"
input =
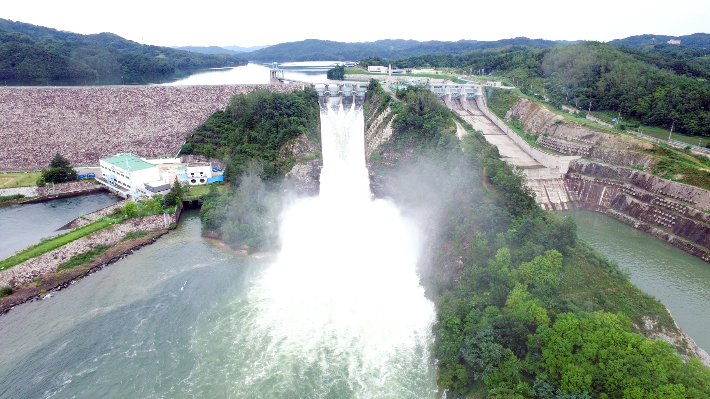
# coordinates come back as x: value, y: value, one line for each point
x: 5, y: 291
x: 134, y: 234
x: 358, y: 71
x: 19, y: 179
x: 4, y: 198
x: 86, y: 257
x: 681, y: 166
x: 53, y: 243
x: 202, y: 190
x: 592, y: 282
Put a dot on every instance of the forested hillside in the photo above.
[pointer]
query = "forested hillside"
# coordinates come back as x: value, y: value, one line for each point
x: 31, y: 54
x: 666, y: 87
x: 319, y: 50
x: 701, y: 40
x: 525, y: 309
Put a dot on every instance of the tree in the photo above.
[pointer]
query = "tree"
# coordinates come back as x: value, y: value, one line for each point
x: 175, y: 194
x: 59, y: 171
x: 59, y: 162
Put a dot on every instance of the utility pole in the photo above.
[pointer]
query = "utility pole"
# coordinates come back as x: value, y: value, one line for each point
x: 669, y: 134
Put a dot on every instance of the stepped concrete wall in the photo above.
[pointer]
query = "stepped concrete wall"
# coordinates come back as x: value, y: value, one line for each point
x: 671, y: 211
x: 88, y: 123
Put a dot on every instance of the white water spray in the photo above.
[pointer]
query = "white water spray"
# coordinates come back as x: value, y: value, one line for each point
x: 341, y: 313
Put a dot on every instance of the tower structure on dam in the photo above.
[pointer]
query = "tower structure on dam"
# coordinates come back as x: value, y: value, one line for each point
x: 276, y: 75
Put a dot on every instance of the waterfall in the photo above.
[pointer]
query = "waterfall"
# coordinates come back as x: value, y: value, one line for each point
x: 340, y: 312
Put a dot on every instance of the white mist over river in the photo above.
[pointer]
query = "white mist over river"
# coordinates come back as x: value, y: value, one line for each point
x: 341, y: 310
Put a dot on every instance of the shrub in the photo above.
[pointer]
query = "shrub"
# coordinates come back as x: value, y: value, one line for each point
x: 41, y: 182
x: 130, y: 208
x: 5, y: 291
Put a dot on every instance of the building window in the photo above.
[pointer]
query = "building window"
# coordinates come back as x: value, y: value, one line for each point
x: 192, y: 181
x: 202, y: 180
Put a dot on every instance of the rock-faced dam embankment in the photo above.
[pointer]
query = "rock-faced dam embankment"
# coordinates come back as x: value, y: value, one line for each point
x: 88, y: 123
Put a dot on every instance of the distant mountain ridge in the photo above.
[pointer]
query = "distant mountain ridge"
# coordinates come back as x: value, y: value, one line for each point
x: 244, y: 49
x: 233, y: 50
x: 31, y: 54
x: 701, y: 40
x: 319, y: 50
x: 207, y: 50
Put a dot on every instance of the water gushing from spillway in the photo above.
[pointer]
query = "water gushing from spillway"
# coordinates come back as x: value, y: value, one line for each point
x: 341, y: 312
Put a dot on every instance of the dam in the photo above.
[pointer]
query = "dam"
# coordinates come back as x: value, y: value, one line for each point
x: 88, y: 123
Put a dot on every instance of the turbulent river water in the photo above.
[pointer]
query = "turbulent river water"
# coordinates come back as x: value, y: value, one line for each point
x: 338, y: 313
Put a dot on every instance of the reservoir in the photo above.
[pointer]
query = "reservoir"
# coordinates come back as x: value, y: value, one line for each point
x: 679, y: 280
x: 252, y: 73
x: 25, y: 225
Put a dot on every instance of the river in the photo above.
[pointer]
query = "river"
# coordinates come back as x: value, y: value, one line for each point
x: 25, y: 225
x: 679, y: 280
x: 187, y: 317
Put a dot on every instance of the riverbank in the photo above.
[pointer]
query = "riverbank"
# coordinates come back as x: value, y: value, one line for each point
x: 59, y: 279
x: 36, y: 194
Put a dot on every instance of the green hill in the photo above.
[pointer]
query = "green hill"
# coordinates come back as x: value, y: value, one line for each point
x: 31, y: 54
x: 701, y: 40
x: 322, y: 50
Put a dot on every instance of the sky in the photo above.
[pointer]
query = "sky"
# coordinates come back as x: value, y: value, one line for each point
x: 253, y: 23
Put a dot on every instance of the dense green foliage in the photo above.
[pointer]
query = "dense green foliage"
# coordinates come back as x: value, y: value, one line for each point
x: 337, y: 73
x: 318, y: 50
x: 31, y: 54
x: 59, y: 171
x: 701, y: 40
x: 256, y: 125
x: 11, y: 197
x: 174, y: 195
x: 526, y: 310
x: 503, y: 316
x: 423, y: 117
x: 249, y: 136
x: 658, y: 88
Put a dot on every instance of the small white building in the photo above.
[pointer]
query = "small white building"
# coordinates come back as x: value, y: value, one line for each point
x: 494, y: 84
x: 672, y: 41
x: 123, y: 171
x: 198, y: 172
x: 377, y: 69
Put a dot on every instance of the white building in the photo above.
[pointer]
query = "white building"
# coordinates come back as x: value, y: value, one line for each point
x: 494, y: 84
x: 377, y: 69
x: 125, y: 171
x: 198, y: 172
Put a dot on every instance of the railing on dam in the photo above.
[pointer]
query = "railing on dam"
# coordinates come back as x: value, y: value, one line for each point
x: 345, y: 93
x: 457, y: 91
